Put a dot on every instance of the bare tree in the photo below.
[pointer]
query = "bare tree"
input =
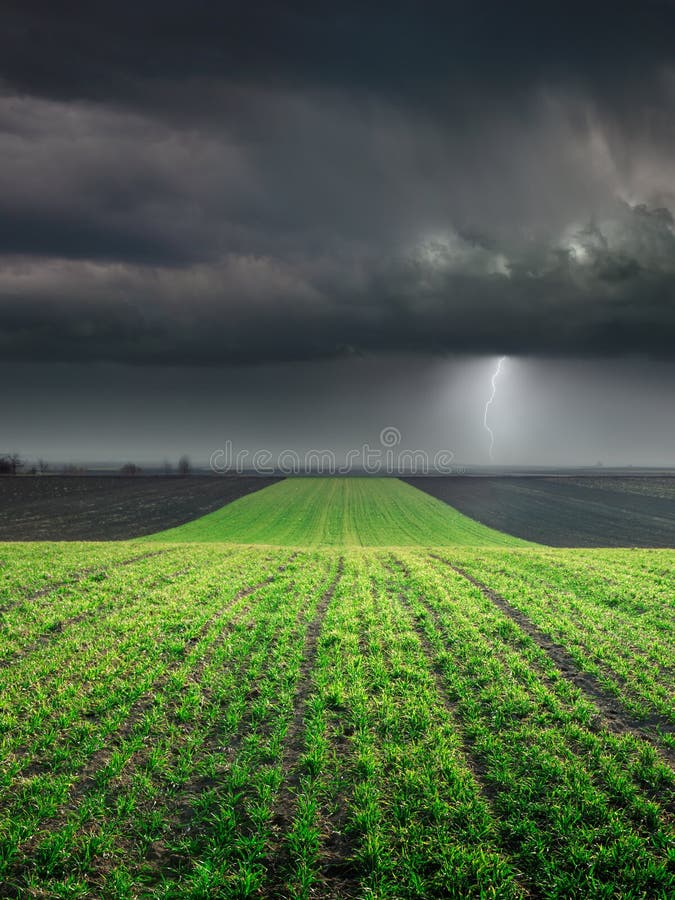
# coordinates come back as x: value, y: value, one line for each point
x: 184, y: 465
x: 12, y: 463
x: 43, y: 466
x: 130, y: 469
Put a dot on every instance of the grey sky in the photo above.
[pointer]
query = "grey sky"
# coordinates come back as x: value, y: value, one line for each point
x: 549, y: 412
x: 207, y: 186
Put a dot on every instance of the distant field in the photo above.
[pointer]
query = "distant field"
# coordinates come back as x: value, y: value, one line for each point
x: 567, y: 512
x: 338, y: 511
x: 648, y: 486
x: 572, y: 511
x: 109, y: 508
x: 213, y: 720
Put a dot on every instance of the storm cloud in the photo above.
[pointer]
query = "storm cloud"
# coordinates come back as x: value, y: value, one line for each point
x: 192, y: 185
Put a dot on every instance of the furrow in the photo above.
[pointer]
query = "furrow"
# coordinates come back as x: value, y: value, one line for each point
x: 612, y: 713
x: 473, y: 763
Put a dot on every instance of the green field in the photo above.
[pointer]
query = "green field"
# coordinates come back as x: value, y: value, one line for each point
x: 336, y: 689
x: 311, y: 512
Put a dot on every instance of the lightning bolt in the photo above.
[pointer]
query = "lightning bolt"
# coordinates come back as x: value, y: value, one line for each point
x: 495, y: 375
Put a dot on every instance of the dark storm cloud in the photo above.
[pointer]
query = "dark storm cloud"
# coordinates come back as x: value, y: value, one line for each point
x: 104, y: 51
x: 284, y: 181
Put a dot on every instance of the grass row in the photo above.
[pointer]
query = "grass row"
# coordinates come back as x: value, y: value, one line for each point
x: 229, y: 721
x: 139, y: 808
x: 63, y: 704
x: 29, y: 568
x: 581, y: 811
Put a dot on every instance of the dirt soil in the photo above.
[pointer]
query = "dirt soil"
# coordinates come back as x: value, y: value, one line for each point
x: 111, y: 507
x: 564, y: 512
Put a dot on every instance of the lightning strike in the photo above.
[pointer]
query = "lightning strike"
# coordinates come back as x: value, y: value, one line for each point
x: 495, y: 375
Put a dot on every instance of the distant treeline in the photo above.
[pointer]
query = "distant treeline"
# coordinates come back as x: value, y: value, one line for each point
x: 13, y: 464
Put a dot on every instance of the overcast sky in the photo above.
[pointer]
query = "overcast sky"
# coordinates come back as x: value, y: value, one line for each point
x: 300, y: 214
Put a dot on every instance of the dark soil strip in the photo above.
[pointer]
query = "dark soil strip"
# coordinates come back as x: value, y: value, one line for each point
x: 613, y: 715
x: 80, y: 575
x: 340, y: 873
x: 559, y: 512
x: 284, y: 810
x: 112, y: 507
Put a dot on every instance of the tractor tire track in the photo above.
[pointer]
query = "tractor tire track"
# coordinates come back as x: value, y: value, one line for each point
x: 612, y: 713
x: 339, y: 875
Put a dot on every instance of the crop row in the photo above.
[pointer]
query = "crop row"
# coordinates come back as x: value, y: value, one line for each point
x: 64, y: 704
x: 222, y: 721
x: 30, y: 570
x: 582, y: 811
